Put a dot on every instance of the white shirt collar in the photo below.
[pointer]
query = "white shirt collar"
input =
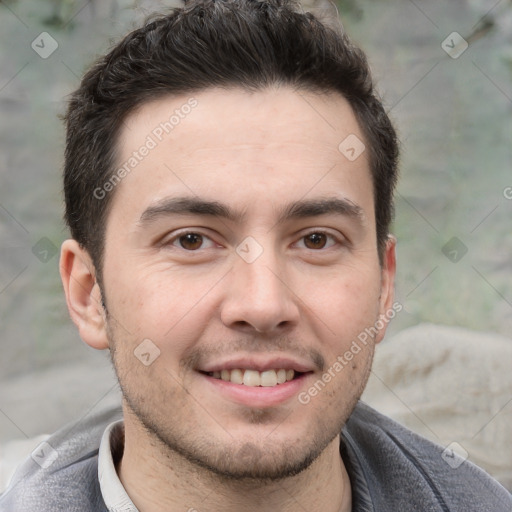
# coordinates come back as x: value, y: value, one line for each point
x: 114, y: 494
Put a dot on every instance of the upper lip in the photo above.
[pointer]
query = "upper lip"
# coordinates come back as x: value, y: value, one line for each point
x: 259, y: 363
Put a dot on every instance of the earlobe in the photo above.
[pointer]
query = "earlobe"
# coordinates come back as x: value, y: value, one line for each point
x: 388, y: 271
x: 83, y: 294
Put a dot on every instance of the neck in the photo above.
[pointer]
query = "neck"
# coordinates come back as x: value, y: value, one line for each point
x: 158, y: 479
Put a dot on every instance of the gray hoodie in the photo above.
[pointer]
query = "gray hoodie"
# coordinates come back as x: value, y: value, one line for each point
x: 391, y: 470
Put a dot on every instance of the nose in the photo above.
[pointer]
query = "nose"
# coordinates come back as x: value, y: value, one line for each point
x: 260, y: 297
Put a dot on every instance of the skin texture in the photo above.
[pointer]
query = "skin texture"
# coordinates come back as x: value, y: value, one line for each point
x: 188, y: 444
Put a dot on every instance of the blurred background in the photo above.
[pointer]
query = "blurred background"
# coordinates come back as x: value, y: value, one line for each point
x: 444, y: 70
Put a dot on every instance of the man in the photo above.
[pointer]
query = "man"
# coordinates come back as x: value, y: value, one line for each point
x: 228, y: 180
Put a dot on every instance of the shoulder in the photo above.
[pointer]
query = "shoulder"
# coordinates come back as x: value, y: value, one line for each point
x: 404, y: 471
x: 62, y: 473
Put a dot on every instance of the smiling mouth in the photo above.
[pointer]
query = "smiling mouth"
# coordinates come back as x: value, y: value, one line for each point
x: 254, y: 378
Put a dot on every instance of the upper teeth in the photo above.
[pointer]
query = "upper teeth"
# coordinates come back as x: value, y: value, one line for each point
x: 255, y: 378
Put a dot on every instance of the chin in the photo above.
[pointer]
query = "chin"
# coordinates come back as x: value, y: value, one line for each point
x: 253, y: 462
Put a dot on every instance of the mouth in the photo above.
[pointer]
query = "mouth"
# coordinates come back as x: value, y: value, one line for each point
x: 254, y: 378
x: 253, y: 388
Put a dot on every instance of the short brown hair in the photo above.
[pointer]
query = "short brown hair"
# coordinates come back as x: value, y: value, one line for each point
x: 250, y: 44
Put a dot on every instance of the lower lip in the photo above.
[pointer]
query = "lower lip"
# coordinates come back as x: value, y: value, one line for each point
x: 258, y: 396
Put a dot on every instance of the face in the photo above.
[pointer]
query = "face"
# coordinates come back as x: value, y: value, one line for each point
x: 240, y: 264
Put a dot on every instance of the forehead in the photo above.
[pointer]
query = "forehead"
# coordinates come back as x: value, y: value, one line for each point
x: 269, y: 144
x: 273, y: 115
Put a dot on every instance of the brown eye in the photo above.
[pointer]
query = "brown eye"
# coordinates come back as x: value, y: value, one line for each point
x: 191, y: 241
x: 315, y: 240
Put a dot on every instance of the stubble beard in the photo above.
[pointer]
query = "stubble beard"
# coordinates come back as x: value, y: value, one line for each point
x: 246, y: 462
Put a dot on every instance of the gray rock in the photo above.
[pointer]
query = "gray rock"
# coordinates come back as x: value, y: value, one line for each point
x: 451, y: 385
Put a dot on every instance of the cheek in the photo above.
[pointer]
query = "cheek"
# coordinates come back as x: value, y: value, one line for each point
x: 149, y: 292
x: 345, y: 300
x: 168, y: 309
x: 342, y: 316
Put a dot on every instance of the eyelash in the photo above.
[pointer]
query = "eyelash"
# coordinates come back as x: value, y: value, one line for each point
x: 177, y: 237
x: 320, y: 232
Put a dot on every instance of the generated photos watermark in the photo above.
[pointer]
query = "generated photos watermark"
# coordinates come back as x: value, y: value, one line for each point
x: 344, y: 359
x: 454, y: 455
x: 352, y: 147
x: 152, y: 140
x: 249, y: 249
x: 147, y: 352
x: 44, y: 455
x: 44, y: 45
x: 454, y: 45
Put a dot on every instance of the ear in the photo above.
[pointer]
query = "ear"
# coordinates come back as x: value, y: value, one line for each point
x: 83, y: 295
x: 387, y: 295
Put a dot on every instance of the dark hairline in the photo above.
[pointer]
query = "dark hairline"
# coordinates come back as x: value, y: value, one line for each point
x: 342, y: 69
x: 295, y: 87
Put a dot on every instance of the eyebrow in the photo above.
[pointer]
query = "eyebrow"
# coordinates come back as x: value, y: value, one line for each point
x: 297, y: 210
